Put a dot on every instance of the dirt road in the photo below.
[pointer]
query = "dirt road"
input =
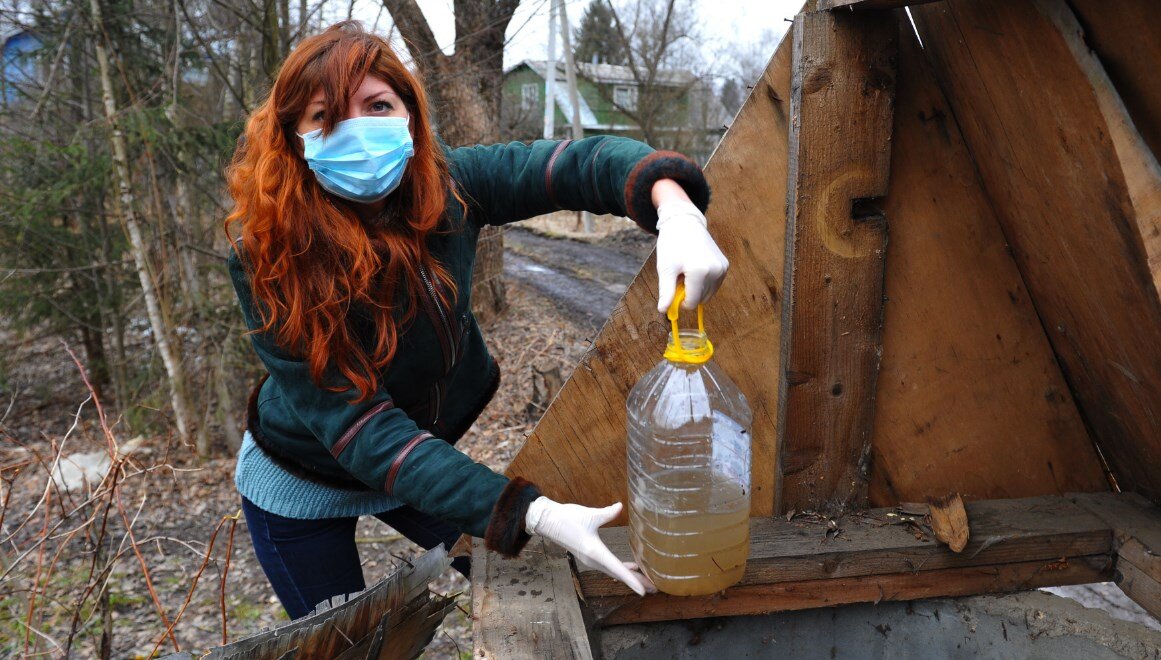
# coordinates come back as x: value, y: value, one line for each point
x: 584, y: 280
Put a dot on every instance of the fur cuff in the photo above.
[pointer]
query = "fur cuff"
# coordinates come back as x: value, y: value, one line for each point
x: 505, y: 533
x: 654, y: 167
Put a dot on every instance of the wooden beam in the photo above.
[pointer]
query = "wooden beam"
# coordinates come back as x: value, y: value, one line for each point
x: 842, y: 97
x: 1037, y: 134
x: 527, y: 607
x: 802, y: 563
x: 869, y: 4
x: 1126, y: 37
x: 970, y: 397
x: 1136, y: 525
x: 1138, y: 162
x: 584, y: 428
x: 786, y: 596
x: 1139, y: 586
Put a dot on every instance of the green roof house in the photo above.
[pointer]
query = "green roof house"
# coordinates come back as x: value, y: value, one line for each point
x: 676, y: 110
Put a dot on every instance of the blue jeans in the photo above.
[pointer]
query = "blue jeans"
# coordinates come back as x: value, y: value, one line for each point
x: 309, y: 561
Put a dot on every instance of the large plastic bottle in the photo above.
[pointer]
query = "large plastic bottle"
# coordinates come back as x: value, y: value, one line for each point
x: 689, y: 468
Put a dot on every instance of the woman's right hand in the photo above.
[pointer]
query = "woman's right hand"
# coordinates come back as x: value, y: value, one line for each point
x: 574, y: 527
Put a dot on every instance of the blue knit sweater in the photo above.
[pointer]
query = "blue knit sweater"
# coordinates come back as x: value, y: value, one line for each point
x: 273, y: 489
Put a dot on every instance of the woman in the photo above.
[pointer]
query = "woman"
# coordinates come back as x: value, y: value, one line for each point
x: 354, y: 233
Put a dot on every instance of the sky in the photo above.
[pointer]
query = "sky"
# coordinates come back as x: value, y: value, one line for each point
x: 724, y: 23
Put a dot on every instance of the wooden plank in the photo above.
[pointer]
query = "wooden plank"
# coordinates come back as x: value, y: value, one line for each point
x: 869, y: 4
x: 1138, y: 162
x: 1138, y: 585
x: 785, y: 596
x: 1126, y: 36
x: 526, y: 607
x: 1136, y: 525
x: 970, y: 395
x: 1036, y: 132
x: 874, y: 542
x: 842, y: 97
x: 400, y: 605
x: 584, y: 428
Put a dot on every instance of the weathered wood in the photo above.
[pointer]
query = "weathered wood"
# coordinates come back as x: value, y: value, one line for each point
x: 842, y: 96
x: 577, y: 452
x: 970, y: 396
x: 785, y: 596
x: 1136, y: 525
x: 1138, y: 585
x: 1028, y: 111
x: 1126, y: 36
x: 879, y: 542
x: 1138, y: 162
x: 527, y: 607
x: 869, y: 4
x: 949, y: 522
x: 395, y: 618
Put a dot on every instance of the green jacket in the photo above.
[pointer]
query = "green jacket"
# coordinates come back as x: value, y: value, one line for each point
x: 442, y: 376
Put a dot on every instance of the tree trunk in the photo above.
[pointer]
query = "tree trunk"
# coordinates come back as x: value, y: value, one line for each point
x: 157, y: 322
x: 465, y: 89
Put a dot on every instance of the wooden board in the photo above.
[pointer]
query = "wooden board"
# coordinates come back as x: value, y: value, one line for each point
x: 842, y: 96
x: 1028, y: 112
x: 1136, y: 525
x: 577, y: 451
x: 527, y: 607
x: 970, y: 396
x: 786, y: 596
x: 876, y: 543
x: 1126, y: 36
x: 1138, y: 162
x: 397, y: 616
x: 1138, y: 585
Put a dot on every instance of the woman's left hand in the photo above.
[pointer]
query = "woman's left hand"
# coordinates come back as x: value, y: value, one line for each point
x: 684, y: 247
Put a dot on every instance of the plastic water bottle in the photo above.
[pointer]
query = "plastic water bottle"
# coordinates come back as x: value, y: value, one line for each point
x: 689, y: 468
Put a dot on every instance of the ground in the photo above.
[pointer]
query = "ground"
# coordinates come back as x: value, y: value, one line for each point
x: 560, y: 290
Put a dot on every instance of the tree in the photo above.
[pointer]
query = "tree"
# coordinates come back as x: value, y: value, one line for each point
x: 465, y: 88
x: 659, y: 39
x: 596, y: 38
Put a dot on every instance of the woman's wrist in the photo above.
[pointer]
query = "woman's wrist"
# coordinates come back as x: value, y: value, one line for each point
x: 667, y: 190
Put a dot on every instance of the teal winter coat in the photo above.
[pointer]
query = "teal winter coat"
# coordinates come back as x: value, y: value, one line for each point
x: 442, y: 376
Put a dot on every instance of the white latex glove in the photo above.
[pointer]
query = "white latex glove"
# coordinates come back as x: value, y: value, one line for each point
x: 684, y: 247
x: 574, y: 527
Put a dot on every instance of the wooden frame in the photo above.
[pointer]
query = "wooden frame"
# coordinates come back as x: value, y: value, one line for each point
x: 530, y: 607
x: 1021, y: 319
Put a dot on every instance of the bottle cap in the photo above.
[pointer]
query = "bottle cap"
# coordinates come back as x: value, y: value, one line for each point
x: 697, y: 349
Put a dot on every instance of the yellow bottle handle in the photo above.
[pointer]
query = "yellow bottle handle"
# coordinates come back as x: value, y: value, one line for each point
x: 697, y: 352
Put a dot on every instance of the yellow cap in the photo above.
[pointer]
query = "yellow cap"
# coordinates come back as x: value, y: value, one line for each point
x: 697, y: 351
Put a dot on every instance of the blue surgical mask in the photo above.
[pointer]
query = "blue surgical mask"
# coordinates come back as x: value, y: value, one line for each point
x: 363, y: 159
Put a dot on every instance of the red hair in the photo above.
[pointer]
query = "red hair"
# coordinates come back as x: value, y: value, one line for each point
x: 312, y: 262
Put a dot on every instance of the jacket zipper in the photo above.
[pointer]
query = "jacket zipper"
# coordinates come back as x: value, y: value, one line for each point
x: 443, y: 328
x: 445, y: 341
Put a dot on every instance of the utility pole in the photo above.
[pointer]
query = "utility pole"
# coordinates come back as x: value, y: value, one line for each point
x: 570, y: 71
x: 573, y: 97
x: 550, y: 76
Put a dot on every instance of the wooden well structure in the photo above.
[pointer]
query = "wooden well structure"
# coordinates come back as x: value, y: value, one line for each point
x: 944, y: 232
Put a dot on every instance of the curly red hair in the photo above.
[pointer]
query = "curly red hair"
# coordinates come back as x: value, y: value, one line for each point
x: 311, y: 261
